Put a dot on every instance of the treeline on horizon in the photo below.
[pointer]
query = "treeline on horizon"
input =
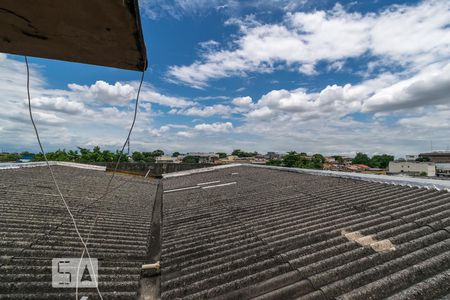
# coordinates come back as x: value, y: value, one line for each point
x: 97, y: 155
x: 83, y: 155
x: 316, y: 161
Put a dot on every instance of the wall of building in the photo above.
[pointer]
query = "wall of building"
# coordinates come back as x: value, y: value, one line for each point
x: 413, y: 168
x: 156, y: 169
x: 437, y: 157
x: 443, y: 169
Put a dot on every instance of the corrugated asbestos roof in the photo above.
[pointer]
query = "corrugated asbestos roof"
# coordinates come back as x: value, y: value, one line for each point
x: 281, y: 235
x: 35, y: 227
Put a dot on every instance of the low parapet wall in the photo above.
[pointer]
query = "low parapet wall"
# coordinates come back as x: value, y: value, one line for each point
x: 52, y: 163
x: 154, y: 169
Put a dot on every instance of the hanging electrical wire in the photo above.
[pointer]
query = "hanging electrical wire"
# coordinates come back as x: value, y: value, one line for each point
x: 85, y: 250
x: 129, y: 132
x: 54, y: 178
x: 127, y: 140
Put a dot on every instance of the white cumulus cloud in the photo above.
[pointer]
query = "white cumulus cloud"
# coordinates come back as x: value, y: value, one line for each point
x: 408, y: 35
x: 102, y: 91
x: 214, y: 127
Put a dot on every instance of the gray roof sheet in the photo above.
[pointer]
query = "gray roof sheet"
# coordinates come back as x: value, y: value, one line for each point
x: 35, y: 227
x: 279, y: 235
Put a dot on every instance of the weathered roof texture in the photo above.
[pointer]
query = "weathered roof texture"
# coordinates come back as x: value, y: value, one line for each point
x: 280, y: 235
x: 35, y: 227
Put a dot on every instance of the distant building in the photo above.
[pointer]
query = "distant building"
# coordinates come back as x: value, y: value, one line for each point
x: 273, y: 155
x: 357, y: 167
x: 347, y: 160
x: 229, y: 159
x: 166, y: 159
x: 259, y: 159
x: 25, y: 158
x: 443, y: 169
x: 437, y: 156
x: 411, y: 157
x: 205, y: 158
x: 339, y: 164
x: 412, y: 168
x: 330, y: 159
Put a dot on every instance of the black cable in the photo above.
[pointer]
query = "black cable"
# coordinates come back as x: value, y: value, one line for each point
x: 129, y: 132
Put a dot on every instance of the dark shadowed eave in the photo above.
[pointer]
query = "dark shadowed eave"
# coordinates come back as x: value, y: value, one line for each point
x: 106, y: 33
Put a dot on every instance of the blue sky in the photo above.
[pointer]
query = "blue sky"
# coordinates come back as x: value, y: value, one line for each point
x: 314, y: 76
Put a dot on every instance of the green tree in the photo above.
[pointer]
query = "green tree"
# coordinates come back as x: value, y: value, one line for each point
x: 176, y: 154
x: 26, y: 153
x: 236, y: 152
x: 96, y: 155
x: 361, y: 158
x: 240, y: 153
x: 290, y: 159
x: 73, y: 155
x: 9, y: 157
x: 298, y: 160
x: 423, y: 159
x: 137, y: 156
x: 222, y: 154
x: 190, y: 160
x: 339, y: 159
x: 107, y: 156
x: 123, y: 156
x: 38, y: 157
x: 274, y: 162
x: 148, y: 157
x: 380, y: 161
x: 58, y: 155
x: 157, y: 153
x: 316, y: 162
x: 85, y: 154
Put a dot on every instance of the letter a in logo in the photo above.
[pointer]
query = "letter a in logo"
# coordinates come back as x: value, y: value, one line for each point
x: 86, y: 275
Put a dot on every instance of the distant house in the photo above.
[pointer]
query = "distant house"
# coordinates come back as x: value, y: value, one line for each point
x: 273, y: 155
x: 330, y: 159
x: 412, y: 168
x: 230, y: 159
x: 347, y: 160
x: 166, y: 159
x: 411, y: 157
x: 357, y: 167
x: 443, y: 169
x: 205, y: 157
x: 25, y: 158
x: 437, y: 156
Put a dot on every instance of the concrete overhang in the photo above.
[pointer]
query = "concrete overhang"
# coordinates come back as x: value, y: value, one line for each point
x: 99, y: 32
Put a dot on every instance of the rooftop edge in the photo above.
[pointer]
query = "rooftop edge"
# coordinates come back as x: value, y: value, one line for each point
x: 395, y: 180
